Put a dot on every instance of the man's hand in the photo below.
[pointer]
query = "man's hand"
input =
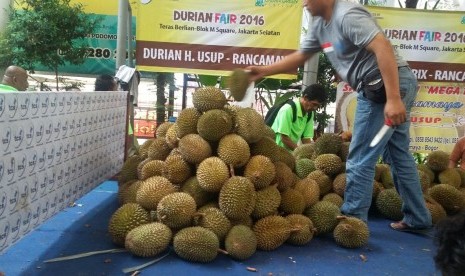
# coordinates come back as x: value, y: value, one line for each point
x: 289, y: 63
x: 395, y: 111
x: 256, y: 72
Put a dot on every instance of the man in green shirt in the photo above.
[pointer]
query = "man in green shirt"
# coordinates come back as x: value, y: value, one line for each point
x: 15, y: 79
x: 288, y: 133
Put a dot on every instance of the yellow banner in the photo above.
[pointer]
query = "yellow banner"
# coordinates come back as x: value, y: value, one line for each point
x: 438, y: 116
x: 108, y: 7
x: 213, y: 38
x: 433, y: 42
x: 428, y: 39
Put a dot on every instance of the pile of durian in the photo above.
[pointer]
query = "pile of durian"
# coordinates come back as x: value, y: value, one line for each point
x: 443, y: 188
x: 216, y: 182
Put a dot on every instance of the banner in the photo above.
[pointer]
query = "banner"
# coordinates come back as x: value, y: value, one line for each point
x: 197, y: 36
x: 101, y: 55
x: 433, y: 42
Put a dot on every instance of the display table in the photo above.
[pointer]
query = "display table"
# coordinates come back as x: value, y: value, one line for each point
x: 83, y: 228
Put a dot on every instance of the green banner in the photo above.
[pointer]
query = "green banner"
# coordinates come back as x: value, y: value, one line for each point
x: 101, y: 54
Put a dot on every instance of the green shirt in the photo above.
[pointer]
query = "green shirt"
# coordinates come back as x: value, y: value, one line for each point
x: 299, y: 129
x: 7, y: 88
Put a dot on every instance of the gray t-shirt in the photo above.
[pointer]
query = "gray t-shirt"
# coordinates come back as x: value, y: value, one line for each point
x: 344, y: 39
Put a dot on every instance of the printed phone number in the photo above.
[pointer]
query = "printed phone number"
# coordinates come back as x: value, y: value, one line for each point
x: 438, y: 140
x: 102, y: 53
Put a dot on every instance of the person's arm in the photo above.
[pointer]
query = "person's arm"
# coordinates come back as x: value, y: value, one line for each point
x: 288, y: 142
x: 456, y: 153
x: 289, y: 63
x: 382, y: 48
x: 306, y: 140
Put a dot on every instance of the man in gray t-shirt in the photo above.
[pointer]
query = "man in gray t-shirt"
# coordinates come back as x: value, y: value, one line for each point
x: 356, y: 47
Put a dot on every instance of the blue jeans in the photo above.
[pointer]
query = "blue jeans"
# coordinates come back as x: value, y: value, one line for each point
x: 360, y: 166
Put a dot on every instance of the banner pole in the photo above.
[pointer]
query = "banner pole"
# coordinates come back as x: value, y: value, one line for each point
x: 122, y: 32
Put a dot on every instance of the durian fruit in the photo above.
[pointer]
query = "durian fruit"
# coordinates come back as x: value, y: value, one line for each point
x: 284, y: 176
x: 328, y: 163
x: 324, y: 181
x: 194, y: 149
x: 141, y: 165
x: 266, y: 147
x: 129, y: 169
x: 207, y: 98
x: 428, y: 171
x: 196, y: 244
x: 176, y: 210
x: 159, y: 149
x: 386, y: 179
x: 339, y: 184
x: 152, y: 190
x: 234, y: 150
x: 260, y: 170
x: 237, y: 197
x: 127, y: 192
x: 377, y: 188
x: 425, y: 181
x: 238, y: 83
x: 292, y: 202
x: 151, y: 168
x: 437, y: 160
x: 177, y: 170
x: 271, y: 232
x: 187, y: 120
x: 304, y: 166
x: 449, y: 197
x: 171, y: 136
x: 148, y: 240
x: 285, y: 156
x: 324, y: 216
x: 240, y: 242
x: 351, y: 232
x: 450, y: 176
x: 334, y: 198
x: 328, y: 143
x: 210, y: 204
x: 436, y: 210
x: 143, y: 149
x: 462, y: 176
x: 389, y: 204
x: 192, y: 187
x: 267, y: 202
x: 249, y: 124
x: 304, y: 151
x: 213, y: 219
x: 247, y: 221
x: 309, y: 190
x: 163, y: 129
x: 212, y: 173
x: 302, y: 229
x: 232, y: 110
x: 379, y: 169
x: 214, y: 124
x: 269, y: 132
x: 344, y: 151
x: 124, y: 219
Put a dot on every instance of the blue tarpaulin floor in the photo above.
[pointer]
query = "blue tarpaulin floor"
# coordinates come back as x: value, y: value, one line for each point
x: 83, y: 228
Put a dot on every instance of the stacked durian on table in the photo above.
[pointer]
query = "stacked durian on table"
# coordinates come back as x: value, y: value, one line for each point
x: 215, y: 182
